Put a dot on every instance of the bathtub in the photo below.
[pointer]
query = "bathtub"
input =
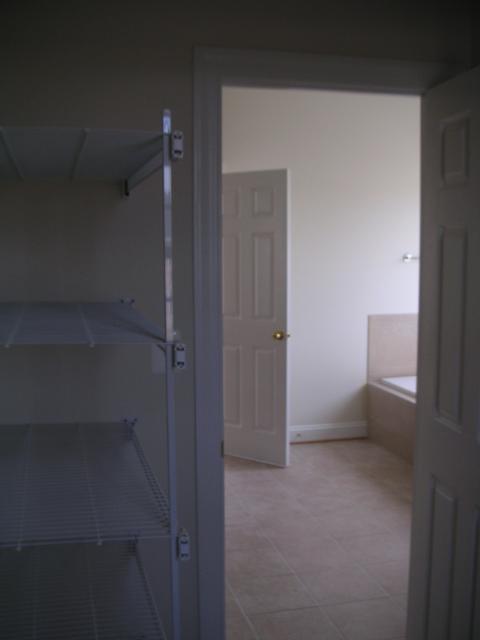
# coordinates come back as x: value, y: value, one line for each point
x: 404, y: 384
x: 391, y: 411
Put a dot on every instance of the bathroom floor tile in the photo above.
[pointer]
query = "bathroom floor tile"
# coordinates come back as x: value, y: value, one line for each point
x: 345, y: 584
x: 355, y: 520
x: 236, y: 514
x: 393, y: 576
x: 380, y: 619
x: 376, y: 548
x: 256, y: 562
x: 238, y: 627
x: 300, y: 624
x: 276, y: 593
x: 249, y: 537
x: 290, y: 533
x: 313, y: 553
x: 320, y: 549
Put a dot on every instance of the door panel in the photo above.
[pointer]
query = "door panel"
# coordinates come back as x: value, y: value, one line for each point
x: 254, y: 307
x: 231, y: 276
x: 263, y: 281
x: 265, y: 367
x: 453, y: 254
x: 232, y: 403
x: 445, y: 576
x: 442, y: 534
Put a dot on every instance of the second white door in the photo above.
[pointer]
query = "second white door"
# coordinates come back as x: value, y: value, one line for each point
x: 255, y: 274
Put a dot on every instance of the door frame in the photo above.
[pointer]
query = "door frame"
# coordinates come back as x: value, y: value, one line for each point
x: 213, y: 70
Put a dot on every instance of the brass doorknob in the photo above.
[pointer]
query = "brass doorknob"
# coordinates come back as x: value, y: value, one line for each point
x: 280, y: 335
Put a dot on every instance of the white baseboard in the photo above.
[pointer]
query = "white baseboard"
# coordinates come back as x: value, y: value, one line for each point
x: 334, y: 431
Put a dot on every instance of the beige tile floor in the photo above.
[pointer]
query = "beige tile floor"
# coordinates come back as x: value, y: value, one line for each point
x: 318, y: 551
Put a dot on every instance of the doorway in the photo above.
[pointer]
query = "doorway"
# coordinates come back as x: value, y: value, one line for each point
x: 347, y: 251
x: 446, y: 121
x: 327, y: 538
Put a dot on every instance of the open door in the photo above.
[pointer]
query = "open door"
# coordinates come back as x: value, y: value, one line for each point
x: 444, y: 598
x: 254, y: 268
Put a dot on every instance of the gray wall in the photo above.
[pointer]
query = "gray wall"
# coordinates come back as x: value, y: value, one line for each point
x: 476, y: 35
x: 117, y: 65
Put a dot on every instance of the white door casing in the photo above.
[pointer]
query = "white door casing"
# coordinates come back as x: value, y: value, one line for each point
x: 444, y: 598
x: 254, y: 300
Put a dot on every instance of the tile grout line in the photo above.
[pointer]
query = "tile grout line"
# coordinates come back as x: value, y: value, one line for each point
x: 391, y: 595
x: 329, y: 619
x: 396, y: 492
x: 242, y: 611
x: 354, y: 563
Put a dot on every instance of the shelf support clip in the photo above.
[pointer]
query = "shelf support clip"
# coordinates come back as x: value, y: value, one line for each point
x: 183, y: 545
x: 176, y: 145
x: 179, y: 356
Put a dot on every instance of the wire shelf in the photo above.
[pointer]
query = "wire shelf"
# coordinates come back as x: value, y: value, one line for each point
x: 76, y: 592
x: 75, y: 323
x: 78, y: 153
x: 77, y: 483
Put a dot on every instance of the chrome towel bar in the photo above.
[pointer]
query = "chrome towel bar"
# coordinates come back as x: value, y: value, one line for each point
x: 408, y: 257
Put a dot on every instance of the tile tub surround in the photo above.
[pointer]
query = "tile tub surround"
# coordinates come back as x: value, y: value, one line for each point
x: 318, y: 550
x: 392, y: 419
x: 392, y: 345
x: 392, y: 352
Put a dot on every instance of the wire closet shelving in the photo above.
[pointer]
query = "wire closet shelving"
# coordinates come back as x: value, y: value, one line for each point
x: 77, y: 592
x: 77, y: 498
x: 77, y: 483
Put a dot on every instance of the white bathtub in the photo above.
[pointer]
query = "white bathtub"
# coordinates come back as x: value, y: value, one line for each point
x: 404, y: 384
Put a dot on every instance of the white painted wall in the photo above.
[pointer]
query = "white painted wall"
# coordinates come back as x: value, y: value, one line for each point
x: 354, y: 169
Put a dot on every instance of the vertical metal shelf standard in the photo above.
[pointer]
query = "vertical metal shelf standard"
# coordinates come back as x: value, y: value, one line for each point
x: 172, y: 149
x: 169, y: 369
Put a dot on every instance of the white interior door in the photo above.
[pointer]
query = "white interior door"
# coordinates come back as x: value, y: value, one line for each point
x: 444, y: 600
x: 254, y: 259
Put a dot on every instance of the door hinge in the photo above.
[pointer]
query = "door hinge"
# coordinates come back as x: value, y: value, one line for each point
x: 179, y: 356
x: 176, y: 145
x: 183, y: 545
